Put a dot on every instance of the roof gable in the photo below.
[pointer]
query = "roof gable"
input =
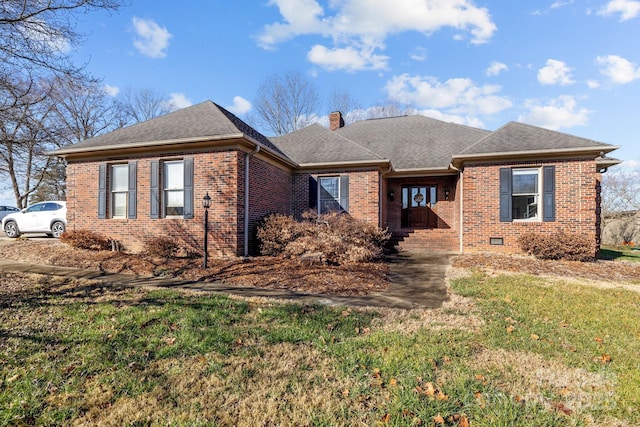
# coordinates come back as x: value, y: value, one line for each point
x: 195, y: 123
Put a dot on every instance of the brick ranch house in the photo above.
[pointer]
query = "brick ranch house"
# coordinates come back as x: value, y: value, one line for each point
x: 434, y: 184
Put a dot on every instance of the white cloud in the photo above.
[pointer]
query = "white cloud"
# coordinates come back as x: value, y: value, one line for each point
x: 359, y: 27
x: 349, y: 59
x: 593, y: 84
x: 460, y: 96
x: 559, y: 4
x: 619, y: 70
x: 628, y: 9
x: 555, y: 73
x: 495, y: 68
x: 240, y: 106
x: 419, y: 54
x: 111, y: 90
x: 178, y: 100
x: 152, y: 40
x: 558, y: 113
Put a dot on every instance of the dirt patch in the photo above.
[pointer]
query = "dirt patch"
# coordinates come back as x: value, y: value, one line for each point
x: 601, y: 270
x: 261, y: 272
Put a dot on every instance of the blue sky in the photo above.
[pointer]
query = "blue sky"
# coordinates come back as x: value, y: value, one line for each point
x: 568, y: 65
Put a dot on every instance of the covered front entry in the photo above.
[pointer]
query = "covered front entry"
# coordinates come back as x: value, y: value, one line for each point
x: 417, y: 206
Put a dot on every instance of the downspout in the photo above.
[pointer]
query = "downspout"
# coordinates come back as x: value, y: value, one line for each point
x: 246, y: 199
x: 460, y: 171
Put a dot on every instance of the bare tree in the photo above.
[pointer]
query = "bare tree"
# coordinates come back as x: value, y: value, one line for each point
x: 620, y: 205
x: 81, y: 110
x: 37, y: 35
x: 343, y: 101
x: 140, y: 105
x: 23, y: 139
x: 55, y: 113
x: 621, y: 190
x: 286, y: 103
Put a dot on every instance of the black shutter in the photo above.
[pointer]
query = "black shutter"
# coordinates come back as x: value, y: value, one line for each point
x: 505, y: 195
x: 344, y: 192
x: 549, y: 194
x: 133, y: 183
x: 313, y: 193
x: 188, y: 188
x: 102, y: 191
x: 154, y: 202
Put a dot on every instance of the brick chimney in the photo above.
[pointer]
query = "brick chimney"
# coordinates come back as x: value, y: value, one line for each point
x: 335, y: 120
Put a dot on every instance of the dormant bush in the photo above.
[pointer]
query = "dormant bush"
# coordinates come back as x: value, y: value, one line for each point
x: 86, y: 239
x: 340, y: 238
x: 161, y: 247
x: 560, y: 245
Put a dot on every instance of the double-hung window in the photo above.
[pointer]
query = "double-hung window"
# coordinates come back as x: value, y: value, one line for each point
x: 527, y: 194
x: 119, y: 190
x: 333, y: 194
x: 173, y: 188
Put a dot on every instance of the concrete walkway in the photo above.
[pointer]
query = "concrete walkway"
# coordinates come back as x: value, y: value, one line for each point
x: 417, y: 281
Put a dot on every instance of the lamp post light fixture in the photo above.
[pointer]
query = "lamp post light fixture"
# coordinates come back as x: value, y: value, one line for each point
x: 206, y: 202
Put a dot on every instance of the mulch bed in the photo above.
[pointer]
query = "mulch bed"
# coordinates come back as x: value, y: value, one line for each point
x: 260, y: 272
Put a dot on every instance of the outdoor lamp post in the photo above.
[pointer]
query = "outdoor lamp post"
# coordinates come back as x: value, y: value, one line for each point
x: 206, y: 202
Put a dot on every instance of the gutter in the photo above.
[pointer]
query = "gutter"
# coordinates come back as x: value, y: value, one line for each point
x: 458, y: 160
x: 246, y: 198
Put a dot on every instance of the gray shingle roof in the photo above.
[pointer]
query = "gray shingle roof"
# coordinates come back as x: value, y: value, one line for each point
x: 413, y: 142
x: 520, y: 137
x: 408, y: 142
x: 317, y: 144
x: 196, y: 122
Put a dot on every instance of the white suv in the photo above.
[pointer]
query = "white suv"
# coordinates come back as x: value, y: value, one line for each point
x: 42, y: 217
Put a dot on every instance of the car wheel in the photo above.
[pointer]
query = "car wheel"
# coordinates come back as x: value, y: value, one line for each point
x: 11, y: 229
x: 57, y: 228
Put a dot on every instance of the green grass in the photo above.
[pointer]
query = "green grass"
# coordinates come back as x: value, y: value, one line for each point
x: 74, y: 352
x: 620, y: 253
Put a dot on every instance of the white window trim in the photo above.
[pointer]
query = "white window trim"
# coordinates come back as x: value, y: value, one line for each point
x: 538, y: 195
x: 319, y: 203
x: 114, y: 192
x: 166, y: 189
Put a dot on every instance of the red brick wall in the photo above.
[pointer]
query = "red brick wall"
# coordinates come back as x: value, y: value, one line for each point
x: 575, y: 196
x: 363, y: 193
x: 214, y: 172
x: 269, y: 192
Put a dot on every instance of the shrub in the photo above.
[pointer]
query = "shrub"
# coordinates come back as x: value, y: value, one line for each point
x: 162, y: 247
x: 86, y: 239
x: 560, y: 245
x: 340, y: 238
x: 275, y: 232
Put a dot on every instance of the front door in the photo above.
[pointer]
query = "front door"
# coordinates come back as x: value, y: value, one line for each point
x: 417, y: 202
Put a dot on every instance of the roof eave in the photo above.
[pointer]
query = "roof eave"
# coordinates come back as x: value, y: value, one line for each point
x: 63, y: 152
x: 459, y: 159
x: 163, y: 144
x: 413, y: 172
x: 344, y: 165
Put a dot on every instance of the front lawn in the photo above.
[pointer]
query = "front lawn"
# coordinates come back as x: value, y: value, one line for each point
x: 620, y: 253
x: 512, y: 350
